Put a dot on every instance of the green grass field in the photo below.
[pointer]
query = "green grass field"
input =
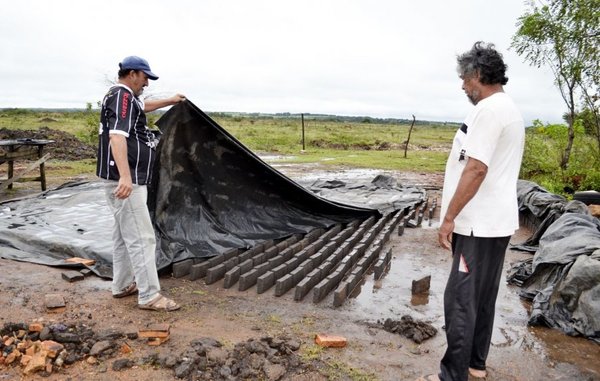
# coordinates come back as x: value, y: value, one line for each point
x: 366, y: 144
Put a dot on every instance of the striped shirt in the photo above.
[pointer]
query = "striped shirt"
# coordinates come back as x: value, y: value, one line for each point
x: 122, y: 113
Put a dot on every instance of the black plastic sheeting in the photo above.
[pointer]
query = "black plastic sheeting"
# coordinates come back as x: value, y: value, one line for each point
x: 545, y: 208
x: 72, y: 220
x: 210, y: 194
x: 563, y: 277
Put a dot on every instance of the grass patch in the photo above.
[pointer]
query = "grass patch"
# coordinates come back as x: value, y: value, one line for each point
x: 419, y: 161
x: 337, y: 370
x: 311, y: 352
x: 62, y: 168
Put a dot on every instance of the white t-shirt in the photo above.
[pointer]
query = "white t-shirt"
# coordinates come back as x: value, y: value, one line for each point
x: 493, y: 133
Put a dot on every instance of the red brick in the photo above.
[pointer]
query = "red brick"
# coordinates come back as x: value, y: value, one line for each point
x: 330, y: 341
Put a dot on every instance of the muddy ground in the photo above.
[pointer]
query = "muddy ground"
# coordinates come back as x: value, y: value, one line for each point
x: 518, y: 352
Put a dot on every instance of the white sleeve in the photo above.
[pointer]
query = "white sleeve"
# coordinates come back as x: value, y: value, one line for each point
x: 482, y: 136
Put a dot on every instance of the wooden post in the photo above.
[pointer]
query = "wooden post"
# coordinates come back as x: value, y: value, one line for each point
x: 409, y: 132
x: 11, y: 166
x: 10, y: 181
x: 303, y: 145
x: 42, y: 169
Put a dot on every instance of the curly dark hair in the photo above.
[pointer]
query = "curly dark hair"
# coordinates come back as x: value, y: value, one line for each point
x: 484, y: 60
x: 124, y: 72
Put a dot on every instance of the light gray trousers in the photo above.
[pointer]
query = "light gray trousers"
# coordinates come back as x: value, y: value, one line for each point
x: 134, y: 243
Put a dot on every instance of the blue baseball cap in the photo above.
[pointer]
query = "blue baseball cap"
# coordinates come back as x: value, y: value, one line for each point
x: 138, y: 63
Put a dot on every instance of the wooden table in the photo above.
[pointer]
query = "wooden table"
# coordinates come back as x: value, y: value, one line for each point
x: 24, y: 149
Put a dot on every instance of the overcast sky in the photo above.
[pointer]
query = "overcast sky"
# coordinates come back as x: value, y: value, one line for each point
x: 380, y: 58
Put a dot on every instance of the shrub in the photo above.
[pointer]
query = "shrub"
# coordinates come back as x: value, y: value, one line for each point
x: 544, y: 145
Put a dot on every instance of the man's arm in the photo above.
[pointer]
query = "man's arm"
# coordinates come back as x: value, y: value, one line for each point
x: 468, y: 185
x: 155, y: 104
x: 118, y: 147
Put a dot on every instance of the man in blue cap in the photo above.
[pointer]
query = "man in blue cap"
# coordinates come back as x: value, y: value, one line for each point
x: 126, y: 153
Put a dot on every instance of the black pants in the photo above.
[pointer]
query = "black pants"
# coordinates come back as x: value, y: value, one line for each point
x: 470, y: 303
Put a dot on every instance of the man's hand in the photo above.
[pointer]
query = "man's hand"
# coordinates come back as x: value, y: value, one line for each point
x: 124, y: 188
x: 445, y: 234
x: 154, y: 104
x: 177, y: 98
x: 118, y: 146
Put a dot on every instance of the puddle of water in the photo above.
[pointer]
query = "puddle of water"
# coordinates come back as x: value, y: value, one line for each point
x: 270, y: 158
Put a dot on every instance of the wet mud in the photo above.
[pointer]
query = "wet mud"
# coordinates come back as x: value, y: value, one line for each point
x: 234, y: 317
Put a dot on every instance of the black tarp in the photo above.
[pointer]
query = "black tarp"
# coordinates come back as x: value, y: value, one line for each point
x: 210, y: 194
x: 544, y: 207
x: 563, y: 277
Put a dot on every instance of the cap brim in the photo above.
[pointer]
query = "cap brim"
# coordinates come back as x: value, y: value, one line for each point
x: 151, y: 75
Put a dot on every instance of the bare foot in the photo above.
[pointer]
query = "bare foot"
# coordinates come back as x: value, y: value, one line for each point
x: 477, y: 373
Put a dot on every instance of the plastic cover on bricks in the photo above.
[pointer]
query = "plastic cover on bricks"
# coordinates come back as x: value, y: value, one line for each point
x: 209, y: 194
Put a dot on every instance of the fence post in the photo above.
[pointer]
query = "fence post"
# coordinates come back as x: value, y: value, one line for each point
x: 303, y: 146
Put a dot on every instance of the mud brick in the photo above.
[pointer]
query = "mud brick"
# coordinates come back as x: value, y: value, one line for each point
x: 260, y: 258
x: 361, y: 248
x: 230, y: 254
x: 251, y: 252
x: 294, y: 262
x: 198, y: 270
x: 86, y: 272
x: 314, y: 234
x: 401, y: 227
x: 299, y: 245
x: 341, y: 294
x: 246, y: 265
x: 326, y: 267
x: 327, y: 251
x: 337, y: 275
x: 83, y: 261
x: 215, y: 273
x: 265, y: 281
x: 330, y: 341
x: 72, y: 276
x: 320, y: 290
x: 280, y: 270
x: 274, y: 262
x: 36, y: 327
x: 386, y: 233
x: 217, y: 260
x: 354, y: 279
x: 249, y: 279
x: 182, y: 268
x: 231, y: 277
x: 382, y: 264
x: 155, y: 330
x: 298, y: 258
x: 411, y: 224
x: 156, y: 341
x: 312, y: 248
x: 54, y: 301
x: 298, y: 273
x: 422, y: 285
x: 271, y: 252
x: 309, y: 281
x: 267, y: 244
x: 283, y: 284
x: 232, y: 263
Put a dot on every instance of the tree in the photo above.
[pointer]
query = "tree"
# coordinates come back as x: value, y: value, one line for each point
x: 565, y: 36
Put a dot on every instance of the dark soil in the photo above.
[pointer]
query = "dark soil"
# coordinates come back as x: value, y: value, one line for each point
x: 227, y: 334
x: 205, y: 358
x: 65, y: 147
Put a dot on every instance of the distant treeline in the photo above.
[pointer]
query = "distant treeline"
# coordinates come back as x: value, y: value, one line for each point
x: 259, y: 115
